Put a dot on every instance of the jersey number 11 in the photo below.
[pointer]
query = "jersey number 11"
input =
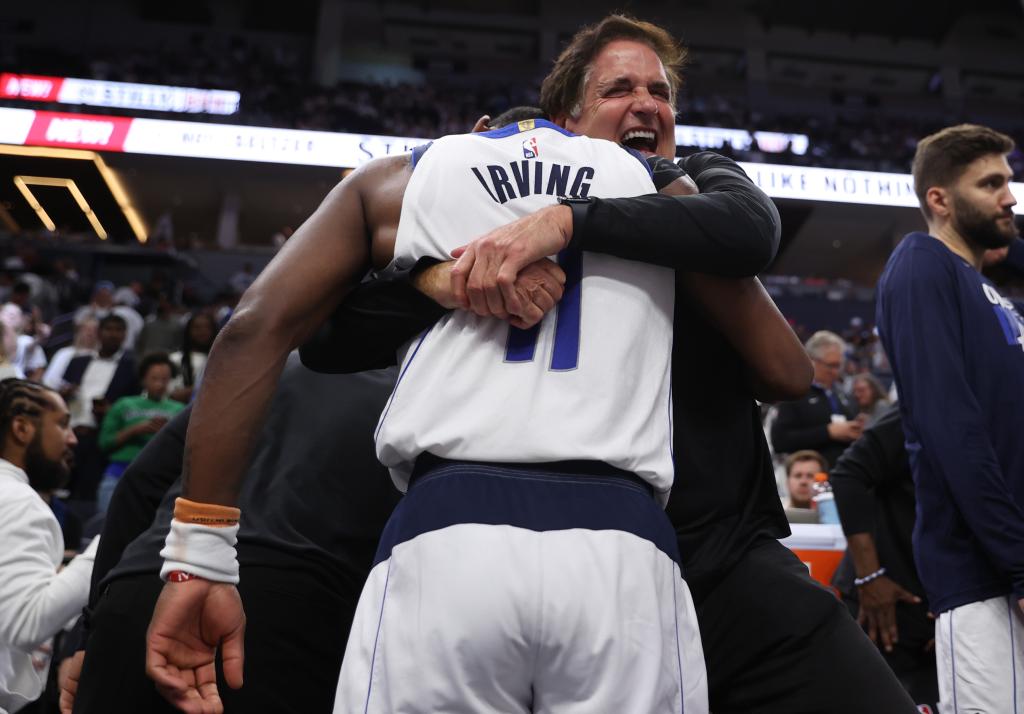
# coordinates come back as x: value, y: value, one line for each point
x: 522, y: 344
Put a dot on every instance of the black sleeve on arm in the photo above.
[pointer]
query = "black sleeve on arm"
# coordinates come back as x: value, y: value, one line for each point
x: 371, y: 324
x: 731, y: 228
x: 878, y: 456
x: 137, y: 498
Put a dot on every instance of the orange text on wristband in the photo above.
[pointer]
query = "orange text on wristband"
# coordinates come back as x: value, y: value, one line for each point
x: 205, y: 514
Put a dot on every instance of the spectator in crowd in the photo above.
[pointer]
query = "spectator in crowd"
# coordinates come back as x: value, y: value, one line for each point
x: 190, y: 360
x: 878, y: 580
x: 30, y: 358
x: 824, y: 419
x: 162, y: 331
x: 869, y: 394
x: 36, y: 600
x: 132, y: 319
x: 132, y: 422
x: 801, y: 467
x: 100, y: 305
x: 93, y: 383
x: 241, y: 280
x: 21, y: 295
x: 84, y: 343
x: 130, y: 295
x: 7, y: 368
x: 11, y: 317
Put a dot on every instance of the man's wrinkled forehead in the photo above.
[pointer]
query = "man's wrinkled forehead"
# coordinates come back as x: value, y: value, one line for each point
x: 625, y: 61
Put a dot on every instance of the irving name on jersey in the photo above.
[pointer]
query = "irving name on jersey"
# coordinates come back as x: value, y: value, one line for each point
x: 519, y: 179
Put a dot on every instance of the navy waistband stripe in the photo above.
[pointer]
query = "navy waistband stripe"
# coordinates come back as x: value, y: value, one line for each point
x: 536, y: 497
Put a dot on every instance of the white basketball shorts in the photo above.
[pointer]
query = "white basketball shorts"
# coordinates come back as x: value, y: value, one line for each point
x: 536, y: 588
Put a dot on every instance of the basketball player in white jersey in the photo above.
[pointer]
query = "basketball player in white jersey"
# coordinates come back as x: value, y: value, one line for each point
x: 565, y: 588
x: 199, y: 611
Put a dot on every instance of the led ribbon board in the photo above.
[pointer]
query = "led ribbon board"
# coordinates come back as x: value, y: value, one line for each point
x: 343, y: 150
x: 119, y: 95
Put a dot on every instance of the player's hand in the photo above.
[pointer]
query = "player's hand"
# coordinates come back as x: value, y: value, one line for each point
x: 67, y: 680
x: 539, y: 286
x: 1020, y: 604
x: 484, y: 275
x: 878, y: 610
x: 189, y: 621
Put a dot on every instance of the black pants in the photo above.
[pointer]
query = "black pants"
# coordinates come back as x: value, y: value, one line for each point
x: 777, y: 642
x: 296, y: 629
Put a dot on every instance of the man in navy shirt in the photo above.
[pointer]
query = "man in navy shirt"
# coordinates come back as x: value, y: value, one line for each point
x: 957, y: 350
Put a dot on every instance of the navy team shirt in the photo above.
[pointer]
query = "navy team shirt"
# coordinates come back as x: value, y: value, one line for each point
x: 957, y: 352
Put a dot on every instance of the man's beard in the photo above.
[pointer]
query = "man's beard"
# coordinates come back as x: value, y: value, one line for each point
x: 980, y: 229
x: 44, y: 474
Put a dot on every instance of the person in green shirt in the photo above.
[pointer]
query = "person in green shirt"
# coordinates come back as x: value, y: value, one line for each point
x: 133, y: 421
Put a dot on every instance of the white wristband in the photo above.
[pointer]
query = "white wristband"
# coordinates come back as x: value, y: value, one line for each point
x: 205, y: 551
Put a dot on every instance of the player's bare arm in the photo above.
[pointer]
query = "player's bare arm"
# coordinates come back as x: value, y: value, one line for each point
x: 777, y: 364
x: 300, y: 287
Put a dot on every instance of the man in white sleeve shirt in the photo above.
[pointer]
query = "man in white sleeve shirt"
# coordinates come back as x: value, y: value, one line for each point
x: 36, y: 600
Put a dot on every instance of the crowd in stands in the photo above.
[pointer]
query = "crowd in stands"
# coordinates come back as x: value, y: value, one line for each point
x: 277, y: 91
x: 126, y: 358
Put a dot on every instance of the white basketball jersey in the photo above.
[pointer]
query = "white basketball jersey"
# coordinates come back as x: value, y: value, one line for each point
x: 592, y: 381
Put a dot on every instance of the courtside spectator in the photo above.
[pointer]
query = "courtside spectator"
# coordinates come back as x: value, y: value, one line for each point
x: 869, y: 394
x: 801, y: 466
x: 36, y: 600
x: 824, y: 419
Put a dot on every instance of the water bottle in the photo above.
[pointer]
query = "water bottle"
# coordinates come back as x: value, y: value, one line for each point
x: 824, y: 500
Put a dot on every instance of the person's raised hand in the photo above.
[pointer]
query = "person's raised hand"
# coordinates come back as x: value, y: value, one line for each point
x: 483, y: 279
x: 877, y: 614
x: 190, y: 621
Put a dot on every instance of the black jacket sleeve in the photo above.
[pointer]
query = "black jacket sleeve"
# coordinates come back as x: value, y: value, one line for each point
x: 137, y: 498
x: 877, y: 457
x: 366, y: 330
x: 731, y: 228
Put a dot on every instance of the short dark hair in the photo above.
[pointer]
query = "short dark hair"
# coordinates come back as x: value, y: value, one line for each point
x: 942, y: 157
x: 561, y: 93
x: 151, y: 360
x: 805, y: 455
x: 516, y: 114
x: 111, y: 318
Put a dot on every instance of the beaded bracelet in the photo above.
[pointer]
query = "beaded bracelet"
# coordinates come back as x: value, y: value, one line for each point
x: 868, y: 578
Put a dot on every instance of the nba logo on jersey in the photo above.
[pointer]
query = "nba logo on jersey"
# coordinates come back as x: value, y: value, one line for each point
x: 530, y: 148
x: 924, y: 709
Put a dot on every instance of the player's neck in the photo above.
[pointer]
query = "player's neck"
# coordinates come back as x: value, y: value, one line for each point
x: 951, y: 238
